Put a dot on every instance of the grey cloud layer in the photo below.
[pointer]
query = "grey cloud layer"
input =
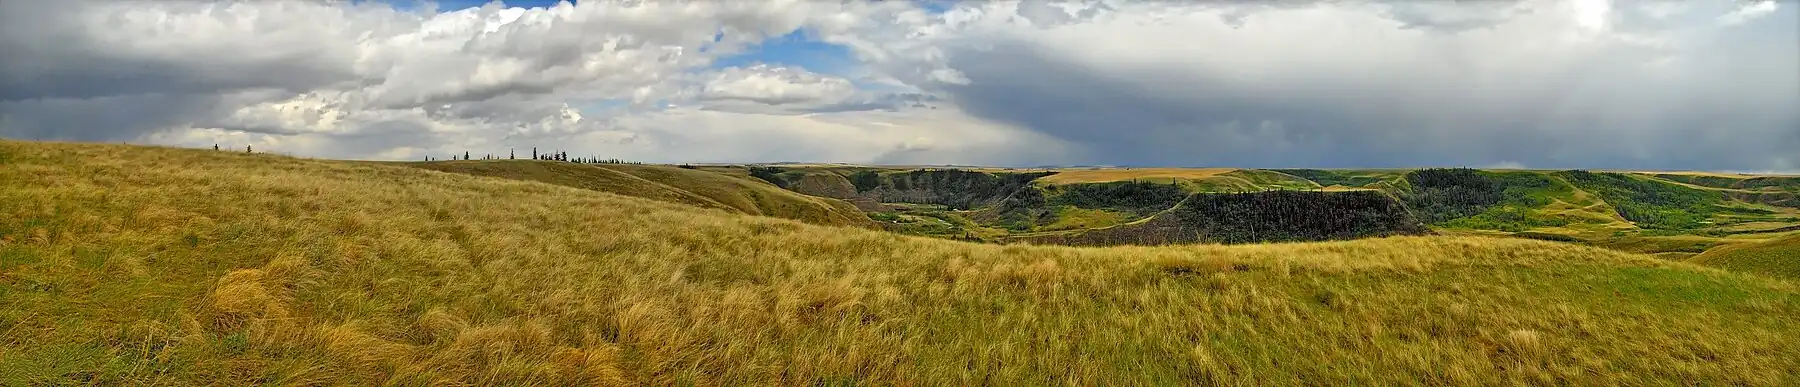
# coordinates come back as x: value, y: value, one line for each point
x: 1374, y: 94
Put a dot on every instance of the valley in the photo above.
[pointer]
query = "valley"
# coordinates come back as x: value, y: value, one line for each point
x: 1667, y: 214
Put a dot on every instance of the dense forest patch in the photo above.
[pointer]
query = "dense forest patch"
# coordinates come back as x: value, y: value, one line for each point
x: 1272, y: 216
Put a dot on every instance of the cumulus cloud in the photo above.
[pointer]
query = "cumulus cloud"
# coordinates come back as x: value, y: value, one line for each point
x: 1549, y: 84
x: 338, y: 79
x: 775, y: 85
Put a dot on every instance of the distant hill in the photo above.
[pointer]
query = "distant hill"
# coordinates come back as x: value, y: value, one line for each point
x: 1779, y: 257
x: 670, y: 184
x: 1674, y: 215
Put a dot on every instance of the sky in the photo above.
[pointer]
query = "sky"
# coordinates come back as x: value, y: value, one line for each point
x: 1594, y: 84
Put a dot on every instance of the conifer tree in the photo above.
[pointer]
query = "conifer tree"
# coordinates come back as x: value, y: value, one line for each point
x: 534, y: 154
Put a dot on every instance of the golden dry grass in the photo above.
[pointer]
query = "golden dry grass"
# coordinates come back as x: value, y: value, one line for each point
x: 132, y: 265
x: 1102, y: 175
x: 576, y: 175
x: 669, y: 184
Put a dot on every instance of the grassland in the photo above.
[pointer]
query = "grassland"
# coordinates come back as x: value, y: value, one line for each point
x: 670, y: 184
x: 132, y: 265
x: 1777, y: 257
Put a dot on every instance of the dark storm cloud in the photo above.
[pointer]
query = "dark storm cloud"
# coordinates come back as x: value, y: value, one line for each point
x: 61, y: 80
x: 79, y: 75
x: 1123, y: 123
x: 382, y: 136
x: 1731, y: 109
x: 120, y: 118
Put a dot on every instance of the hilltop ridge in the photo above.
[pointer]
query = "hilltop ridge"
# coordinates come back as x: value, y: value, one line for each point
x: 669, y: 184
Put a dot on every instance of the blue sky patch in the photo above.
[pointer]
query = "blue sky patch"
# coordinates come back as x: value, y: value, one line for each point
x: 937, y: 7
x: 797, y: 50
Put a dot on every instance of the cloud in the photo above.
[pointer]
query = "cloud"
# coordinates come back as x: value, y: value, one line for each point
x: 866, y: 136
x: 318, y: 76
x: 775, y: 85
x: 1749, y: 11
x: 1453, y: 17
x: 1549, y: 84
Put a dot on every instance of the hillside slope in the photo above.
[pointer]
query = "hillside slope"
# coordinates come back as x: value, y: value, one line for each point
x: 133, y: 265
x: 670, y: 184
x: 579, y: 176
x: 1779, y: 257
x: 1273, y: 216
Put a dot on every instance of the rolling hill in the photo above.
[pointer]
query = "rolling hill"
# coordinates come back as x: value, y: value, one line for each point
x: 669, y: 184
x: 1672, y: 215
x: 137, y: 265
x: 1779, y: 257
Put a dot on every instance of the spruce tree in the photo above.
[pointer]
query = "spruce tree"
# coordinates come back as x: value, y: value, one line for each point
x: 534, y: 155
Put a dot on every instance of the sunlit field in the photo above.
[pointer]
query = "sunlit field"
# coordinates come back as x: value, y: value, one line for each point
x: 128, y: 265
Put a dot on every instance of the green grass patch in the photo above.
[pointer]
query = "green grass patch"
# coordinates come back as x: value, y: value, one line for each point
x: 1071, y: 217
x: 1776, y: 258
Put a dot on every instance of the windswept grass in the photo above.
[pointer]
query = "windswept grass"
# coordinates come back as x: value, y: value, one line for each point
x: 587, y: 177
x: 1778, y: 257
x: 132, y: 265
x: 669, y: 184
